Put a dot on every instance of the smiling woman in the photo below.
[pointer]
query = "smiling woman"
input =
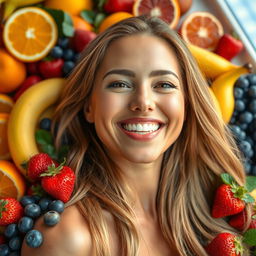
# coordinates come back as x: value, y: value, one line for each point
x: 147, y: 146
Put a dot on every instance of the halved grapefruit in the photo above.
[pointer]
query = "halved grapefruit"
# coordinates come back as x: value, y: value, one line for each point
x: 167, y: 10
x: 202, y: 29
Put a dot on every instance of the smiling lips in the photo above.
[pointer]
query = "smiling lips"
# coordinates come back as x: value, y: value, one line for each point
x: 141, y: 128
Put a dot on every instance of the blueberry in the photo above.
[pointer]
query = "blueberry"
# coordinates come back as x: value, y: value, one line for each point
x: 37, y: 198
x: 235, y: 129
x: 57, y: 206
x: 15, y: 243
x: 4, y: 250
x: 232, y: 120
x: 44, y: 203
x: 32, y: 210
x: 247, y: 167
x: 252, y: 91
x: 252, y: 78
x: 67, y: 67
x: 246, y: 117
x: 11, y: 230
x: 63, y: 42
x: 51, y: 218
x: 243, y: 126
x: 245, y: 147
x: 27, y: 200
x: 34, y: 238
x: 238, y: 93
x: 68, y: 54
x: 45, y: 124
x: 242, y: 82
x: 56, y: 52
x: 239, y: 105
x: 25, y: 224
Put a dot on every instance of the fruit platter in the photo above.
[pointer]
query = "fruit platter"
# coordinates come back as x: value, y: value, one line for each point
x: 40, y: 44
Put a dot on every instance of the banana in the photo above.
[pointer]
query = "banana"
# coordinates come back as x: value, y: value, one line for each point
x: 24, y: 117
x: 223, y: 88
x: 11, y: 5
x: 211, y: 64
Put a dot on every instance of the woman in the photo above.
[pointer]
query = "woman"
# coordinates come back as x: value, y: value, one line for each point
x: 147, y: 146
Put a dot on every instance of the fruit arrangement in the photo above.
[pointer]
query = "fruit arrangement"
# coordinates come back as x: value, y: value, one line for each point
x: 36, y: 58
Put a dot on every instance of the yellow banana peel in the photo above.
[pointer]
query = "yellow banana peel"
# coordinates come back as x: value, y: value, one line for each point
x: 24, y: 118
x: 223, y: 89
x: 211, y: 64
x: 11, y: 5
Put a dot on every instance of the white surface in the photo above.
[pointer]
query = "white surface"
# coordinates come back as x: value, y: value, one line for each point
x: 218, y: 8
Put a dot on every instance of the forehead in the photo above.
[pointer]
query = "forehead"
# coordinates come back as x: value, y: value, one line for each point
x: 140, y: 51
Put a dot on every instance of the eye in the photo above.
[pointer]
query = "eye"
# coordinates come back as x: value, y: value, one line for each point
x: 165, y: 85
x: 119, y: 85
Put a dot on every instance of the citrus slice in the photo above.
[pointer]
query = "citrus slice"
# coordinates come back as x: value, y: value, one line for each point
x: 6, y: 103
x: 30, y: 33
x: 112, y: 19
x: 167, y: 10
x: 202, y: 29
x: 4, y: 148
x: 12, y: 183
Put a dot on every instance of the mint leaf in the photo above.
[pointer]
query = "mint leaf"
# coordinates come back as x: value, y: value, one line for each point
x: 248, y: 198
x: 63, y: 21
x: 49, y: 149
x: 43, y: 137
x: 250, y: 183
x: 250, y: 237
x: 98, y: 20
x: 88, y: 16
x: 101, y: 4
x: 227, y: 178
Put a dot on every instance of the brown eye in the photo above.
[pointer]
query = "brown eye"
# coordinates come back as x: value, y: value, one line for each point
x: 118, y: 85
x: 166, y: 85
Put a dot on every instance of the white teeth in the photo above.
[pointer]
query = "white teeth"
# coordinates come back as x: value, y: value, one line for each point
x: 141, y: 127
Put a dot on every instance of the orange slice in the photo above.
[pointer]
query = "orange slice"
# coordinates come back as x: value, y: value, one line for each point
x: 6, y: 103
x: 4, y: 148
x: 112, y: 19
x: 167, y: 10
x: 202, y: 29
x: 30, y: 33
x: 12, y: 183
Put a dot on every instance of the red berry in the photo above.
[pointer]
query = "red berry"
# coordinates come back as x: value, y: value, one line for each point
x: 51, y: 68
x: 111, y: 6
x: 81, y: 39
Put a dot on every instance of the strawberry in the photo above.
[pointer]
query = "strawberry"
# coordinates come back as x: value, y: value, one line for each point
x: 10, y: 211
x: 59, y: 182
x: 112, y: 6
x: 230, y: 198
x: 225, y: 244
x: 51, y: 68
x: 81, y: 39
x: 229, y: 46
x: 35, y: 190
x: 38, y: 164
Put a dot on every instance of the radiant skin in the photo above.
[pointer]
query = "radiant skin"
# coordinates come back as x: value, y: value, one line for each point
x: 148, y: 87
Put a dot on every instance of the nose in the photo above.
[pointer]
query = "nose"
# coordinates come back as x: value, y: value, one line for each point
x: 142, y: 100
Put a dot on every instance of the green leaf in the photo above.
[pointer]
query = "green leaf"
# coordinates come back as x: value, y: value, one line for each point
x: 250, y: 183
x: 227, y: 178
x: 250, y: 237
x: 88, y: 16
x: 49, y: 149
x: 98, y: 20
x: 248, y: 198
x: 63, y: 21
x: 63, y: 151
x: 101, y: 4
x: 43, y: 137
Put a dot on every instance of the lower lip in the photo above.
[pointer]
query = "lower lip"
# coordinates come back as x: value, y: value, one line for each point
x: 141, y: 137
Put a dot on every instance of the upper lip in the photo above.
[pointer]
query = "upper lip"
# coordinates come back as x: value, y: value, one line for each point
x: 135, y: 120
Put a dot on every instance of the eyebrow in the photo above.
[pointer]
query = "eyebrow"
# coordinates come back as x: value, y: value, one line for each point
x: 130, y: 73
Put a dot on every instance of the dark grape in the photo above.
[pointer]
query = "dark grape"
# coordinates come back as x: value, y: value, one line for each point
x: 56, y: 52
x: 239, y: 105
x: 238, y: 93
x: 242, y: 82
x: 246, y: 117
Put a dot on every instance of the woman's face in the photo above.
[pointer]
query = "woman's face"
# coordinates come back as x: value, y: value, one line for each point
x: 137, y: 105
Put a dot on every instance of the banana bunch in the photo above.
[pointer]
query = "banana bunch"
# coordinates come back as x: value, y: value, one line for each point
x: 224, y: 75
x: 25, y: 115
x: 11, y: 5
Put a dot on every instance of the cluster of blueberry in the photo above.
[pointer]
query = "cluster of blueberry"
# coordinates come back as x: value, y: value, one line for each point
x: 243, y: 121
x: 63, y: 51
x: 34, y: 207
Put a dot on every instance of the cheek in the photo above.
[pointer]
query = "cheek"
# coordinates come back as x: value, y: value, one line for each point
x: 174, y: 107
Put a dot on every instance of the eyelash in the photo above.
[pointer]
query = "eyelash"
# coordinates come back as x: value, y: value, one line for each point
x: 171, y: 85
x: 114, y: 85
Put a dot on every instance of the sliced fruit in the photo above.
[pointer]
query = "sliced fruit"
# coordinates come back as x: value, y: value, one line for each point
x: 202, y: 29
x: 167, y: 10
x: 12, y: 183
x: 6, y: 103
x: 4, y: 148
x: 30, y: 33
x: 12, y: 72
x: 112, y: 19
x: 70, y: 6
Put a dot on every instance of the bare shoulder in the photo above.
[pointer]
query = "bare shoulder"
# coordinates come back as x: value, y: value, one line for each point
x: 71, y: 236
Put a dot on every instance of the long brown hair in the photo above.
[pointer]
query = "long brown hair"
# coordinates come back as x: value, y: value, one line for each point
x: 190, y: 169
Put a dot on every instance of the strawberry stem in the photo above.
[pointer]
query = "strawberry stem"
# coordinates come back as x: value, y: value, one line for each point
x: 53, y: 170
x: 3, y: 203
x: 239, y: 249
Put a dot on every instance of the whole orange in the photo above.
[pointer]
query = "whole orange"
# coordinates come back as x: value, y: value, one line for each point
x: 12, y: 72
x: 80, y: 23
x: 112, y: 19
x: 70, y: 6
